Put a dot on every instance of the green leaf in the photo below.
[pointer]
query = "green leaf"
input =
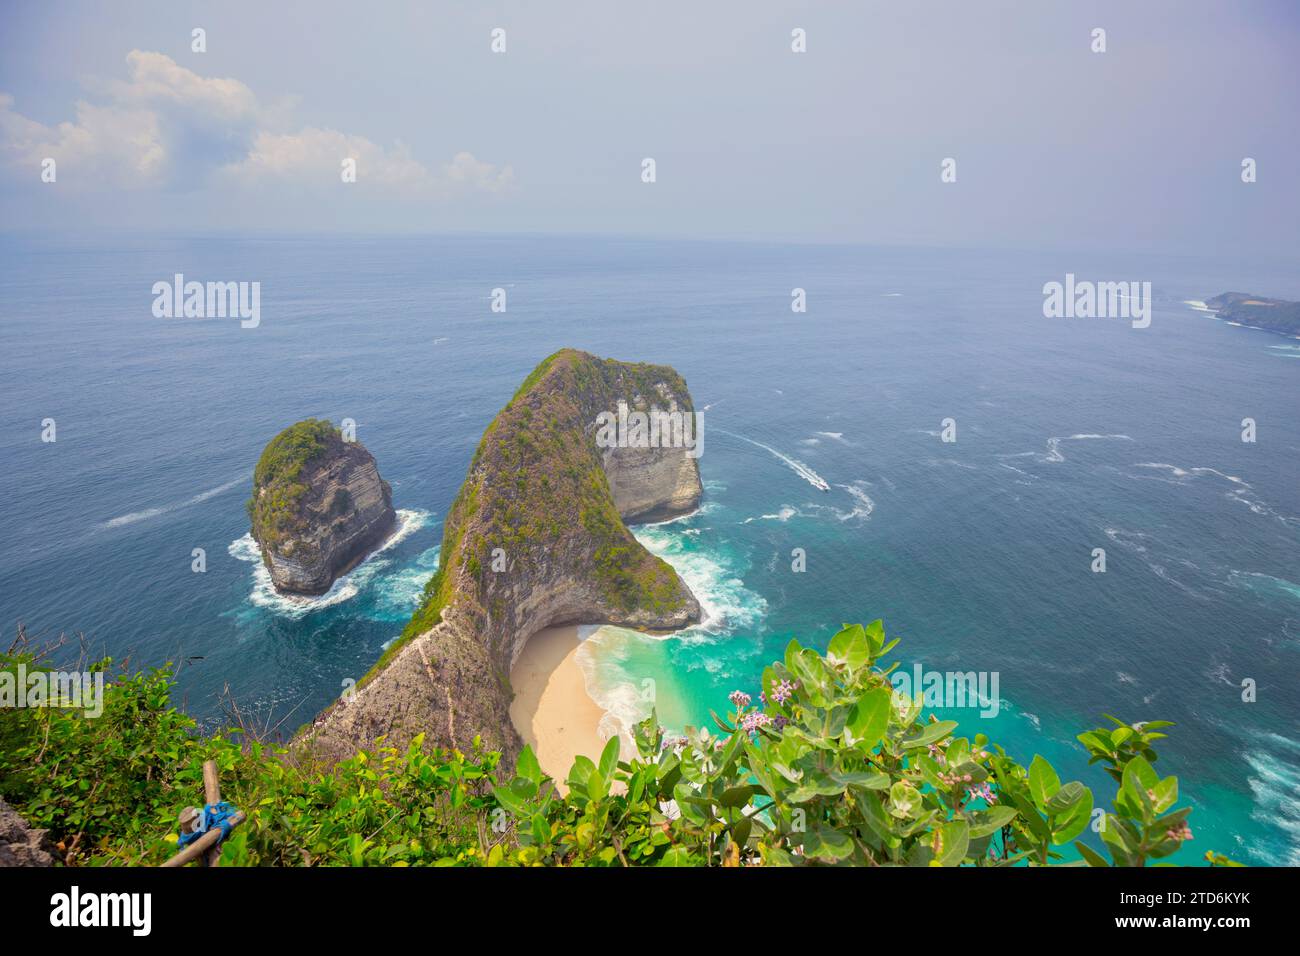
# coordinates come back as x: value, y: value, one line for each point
x: 773, y: 856
x: 1043, y: 782
x: 930, y: 734
x: 792, y: 654
x: 849, y: 647
x: 609, y: 758
x: 597, y: 786
x: 1092, y: 856
x: 582, y: 769
x: 953, y: 840
x: 1074, y: 819
x: 1065, y: 798
x: 876, y: 636
x: 1036, y: 824
x: 527, y: 766
x: 869, y: 780
x: 1139, y: 777
x: 677, y: 856
x: 737, y: 796
x: 1166, y: 794
x: 827, y: 843
x: 991, y: 820
x: 1121, y: 842
x: 740, y: 830
x: 868, y: 720
x: 523, y: 788
x: 874, y: 814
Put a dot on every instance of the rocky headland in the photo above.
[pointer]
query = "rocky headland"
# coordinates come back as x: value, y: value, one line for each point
x: 318, y: 507
x: 535, y: 538
x: 1258, y: 312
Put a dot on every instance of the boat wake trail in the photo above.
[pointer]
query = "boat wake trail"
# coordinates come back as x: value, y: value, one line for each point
x: 202, y: 496
x: 798, y: 467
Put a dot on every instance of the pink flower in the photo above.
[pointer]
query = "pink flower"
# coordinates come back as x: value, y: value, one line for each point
x: 750, y: 723
x: 782, y: 692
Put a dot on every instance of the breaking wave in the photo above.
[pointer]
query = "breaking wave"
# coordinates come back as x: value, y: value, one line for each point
x: 264, y: 594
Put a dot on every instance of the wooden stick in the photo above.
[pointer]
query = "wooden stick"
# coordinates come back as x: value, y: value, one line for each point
x: 211, y: 796
x: 207, y: 846
x: 196, y: 849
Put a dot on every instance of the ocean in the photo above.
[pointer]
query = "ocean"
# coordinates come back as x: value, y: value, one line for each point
x: 1071, y: 435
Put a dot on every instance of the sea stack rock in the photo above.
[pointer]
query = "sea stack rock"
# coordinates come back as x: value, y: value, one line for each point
x: 318, y: 506
x: 535, y: 538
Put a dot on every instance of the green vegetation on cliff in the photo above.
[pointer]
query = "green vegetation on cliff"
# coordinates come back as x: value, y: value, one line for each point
x: 537, y: 475
x: 276, y: 488
x: 831, y: 767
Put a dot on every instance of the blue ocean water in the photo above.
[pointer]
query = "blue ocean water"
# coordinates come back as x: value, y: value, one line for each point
x: 1071, y: 435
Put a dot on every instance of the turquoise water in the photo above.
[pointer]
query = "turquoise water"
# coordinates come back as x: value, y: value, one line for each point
x: 1072, y: 435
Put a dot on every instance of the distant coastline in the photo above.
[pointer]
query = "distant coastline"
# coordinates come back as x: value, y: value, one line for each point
x: 1257, y: 312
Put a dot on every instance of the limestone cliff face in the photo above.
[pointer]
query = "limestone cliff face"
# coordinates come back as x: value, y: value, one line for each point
x: 318, y: 507
x: 535, y: 538
x: 651, y: 484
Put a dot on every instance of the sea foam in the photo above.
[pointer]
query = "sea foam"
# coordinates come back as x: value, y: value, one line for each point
x: 264, y: 594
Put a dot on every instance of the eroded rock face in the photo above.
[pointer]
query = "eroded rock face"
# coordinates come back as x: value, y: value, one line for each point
x: 535, y: 538
x: 20, y: 845
x: 652, y: 484
x: 318, y: 508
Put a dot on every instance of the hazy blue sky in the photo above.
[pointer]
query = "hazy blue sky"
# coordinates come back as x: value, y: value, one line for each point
x: 1137, y: 147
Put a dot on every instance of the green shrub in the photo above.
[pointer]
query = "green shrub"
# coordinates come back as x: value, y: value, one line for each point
x: 275, y: 478
x: 836, y: 768
x: 110, y: 788
x: 831, y: 767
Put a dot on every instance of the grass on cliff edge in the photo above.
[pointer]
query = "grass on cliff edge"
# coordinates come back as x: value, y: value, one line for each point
x: 827, y: 766
x: 276, y: 488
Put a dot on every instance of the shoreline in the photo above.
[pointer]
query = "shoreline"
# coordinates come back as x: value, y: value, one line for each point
x: 552, y: 710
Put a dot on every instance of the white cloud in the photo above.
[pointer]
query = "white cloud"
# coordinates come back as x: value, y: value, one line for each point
x: 315, y: 156
x: 167, y: 127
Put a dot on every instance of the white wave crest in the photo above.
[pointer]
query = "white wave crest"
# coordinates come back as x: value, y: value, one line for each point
x: 863, y: 505
x: 784, y: 514
x: 135, y: 516
x: 724, y: 600
x: 1240, y: 491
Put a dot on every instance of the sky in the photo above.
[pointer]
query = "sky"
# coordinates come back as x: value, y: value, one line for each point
x: 1138, y: 147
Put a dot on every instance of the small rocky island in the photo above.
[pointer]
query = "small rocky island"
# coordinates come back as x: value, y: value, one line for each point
x: 535, y: 538
x: 318, y: 507
x: 1257, y: 312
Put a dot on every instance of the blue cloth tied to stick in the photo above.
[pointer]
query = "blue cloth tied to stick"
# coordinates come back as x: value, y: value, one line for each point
x: 218, y: 815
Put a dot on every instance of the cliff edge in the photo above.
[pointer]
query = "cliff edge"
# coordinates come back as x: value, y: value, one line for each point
x: 318, y: 506
x: 535, y: 538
